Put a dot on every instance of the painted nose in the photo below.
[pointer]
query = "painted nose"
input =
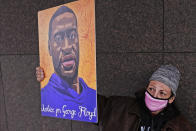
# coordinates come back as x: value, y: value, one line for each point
x: 66, y: 48
x: 65, y: 44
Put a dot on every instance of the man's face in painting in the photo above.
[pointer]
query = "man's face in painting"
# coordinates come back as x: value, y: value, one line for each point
x: 64, y: 45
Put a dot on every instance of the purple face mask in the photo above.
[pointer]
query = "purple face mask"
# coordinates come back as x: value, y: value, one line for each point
x: 154, y: 104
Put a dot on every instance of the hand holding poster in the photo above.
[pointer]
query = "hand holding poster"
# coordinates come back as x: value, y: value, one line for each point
x: 67, y: 55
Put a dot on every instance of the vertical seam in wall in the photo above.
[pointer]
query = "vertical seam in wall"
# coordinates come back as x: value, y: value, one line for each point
x: 4, y: 98
x: 71, y: 125
x: 163, y: 48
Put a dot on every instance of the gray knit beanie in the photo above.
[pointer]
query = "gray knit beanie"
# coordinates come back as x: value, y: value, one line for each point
x: 168, y: 75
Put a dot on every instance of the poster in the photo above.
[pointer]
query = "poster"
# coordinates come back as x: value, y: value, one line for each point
x: 68, y: 58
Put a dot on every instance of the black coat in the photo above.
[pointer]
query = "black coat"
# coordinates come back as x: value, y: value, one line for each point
x: 120, y: 113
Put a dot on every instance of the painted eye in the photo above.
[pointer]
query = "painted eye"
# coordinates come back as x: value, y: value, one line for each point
x: 73, y: 35
x: 58, y: 38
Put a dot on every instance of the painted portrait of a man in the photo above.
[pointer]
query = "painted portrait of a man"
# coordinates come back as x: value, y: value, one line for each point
x: 66, y: 95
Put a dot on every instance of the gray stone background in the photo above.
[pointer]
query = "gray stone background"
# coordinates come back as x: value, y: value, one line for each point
x: 133, y: 37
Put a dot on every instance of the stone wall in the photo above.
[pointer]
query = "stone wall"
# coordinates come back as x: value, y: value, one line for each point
x: 133, y: 38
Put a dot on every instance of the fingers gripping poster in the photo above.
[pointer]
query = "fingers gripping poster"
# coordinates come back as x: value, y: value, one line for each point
x: 68, y: 58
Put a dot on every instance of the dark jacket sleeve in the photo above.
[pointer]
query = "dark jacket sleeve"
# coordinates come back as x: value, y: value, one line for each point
x: 107, y: 104
x: 183, y: 124
x: 101, y: 104
x: 179, y: 123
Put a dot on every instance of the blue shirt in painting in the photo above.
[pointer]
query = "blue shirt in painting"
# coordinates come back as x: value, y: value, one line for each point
x: 58, y: 99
